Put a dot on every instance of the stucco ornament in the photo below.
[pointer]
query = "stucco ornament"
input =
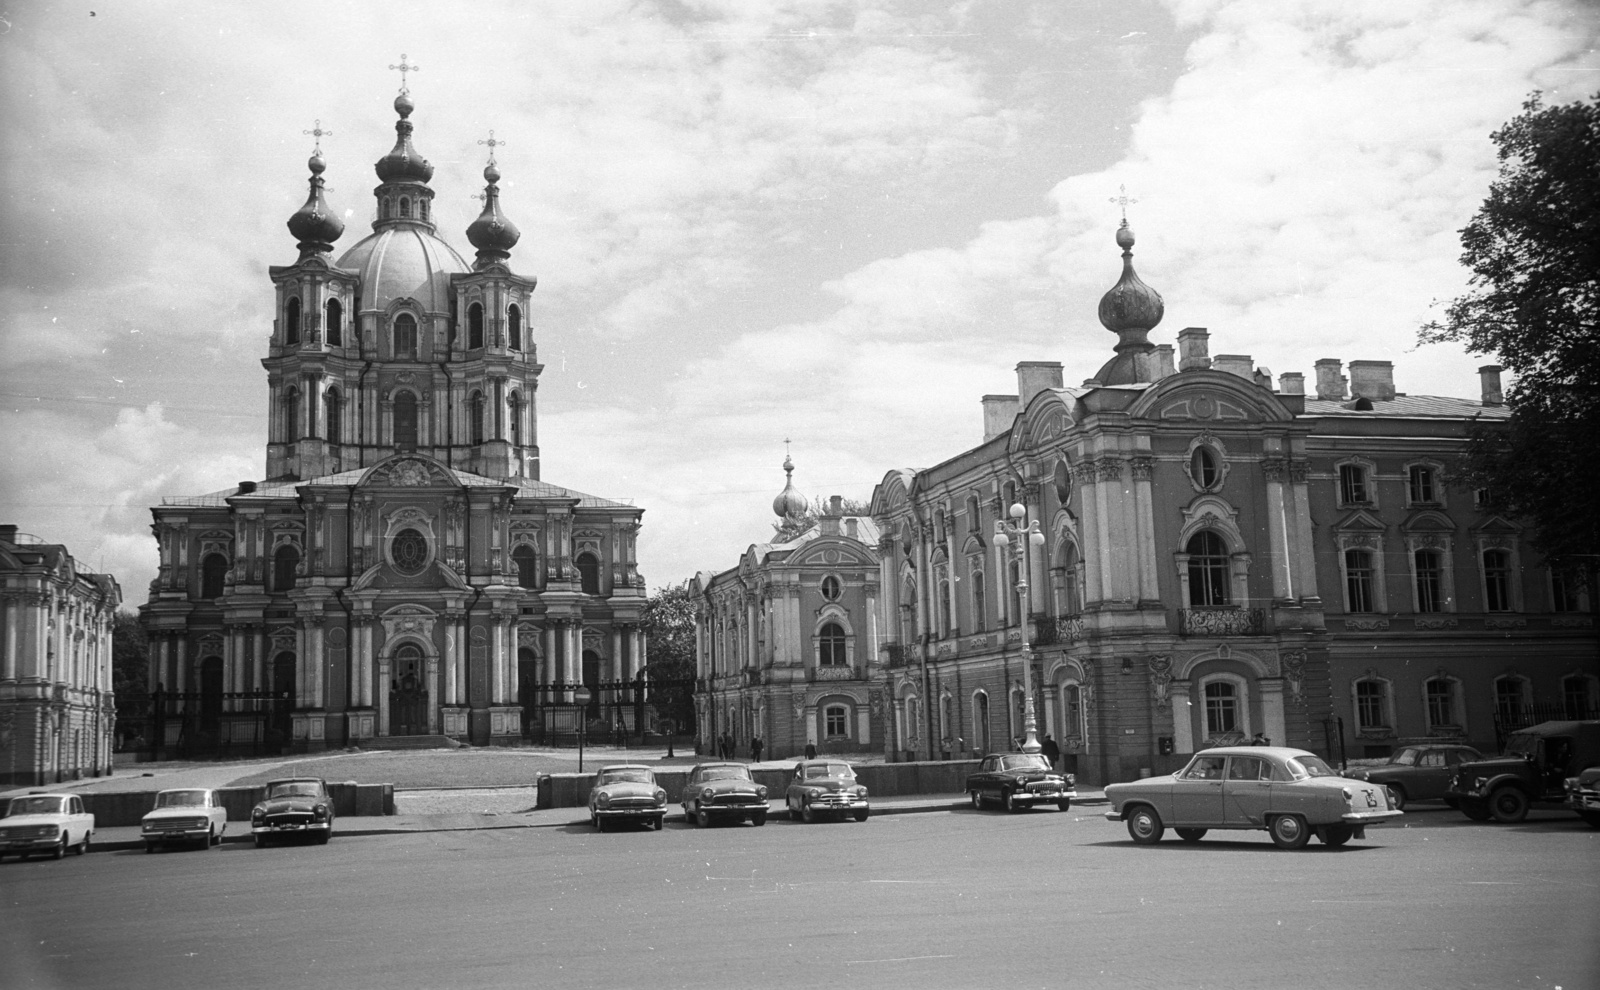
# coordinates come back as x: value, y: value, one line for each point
x: 1161, y: 680
x: 1293, y: 664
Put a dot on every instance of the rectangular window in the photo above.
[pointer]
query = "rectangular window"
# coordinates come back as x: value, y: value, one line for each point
x: 1222, y: 708
x: 835, y: 718
x: 1575, y: 695
x: 1422, y: 489
x: 1497, y: 580
x: 1358, y: 580
x: 1371, y: 711
x: 1353, y: 484
x: 1508, y: 700
x: 1567, y: 593
x: 1429, y: 565
x: 1441, y: 703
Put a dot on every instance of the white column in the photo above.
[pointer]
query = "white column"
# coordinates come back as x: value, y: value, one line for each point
x: 1182, y: 718
x: 513, y: 662
x: 1272, y: 710
x: 497, y: 695
x: 302, y: 690
x: 9, y: 672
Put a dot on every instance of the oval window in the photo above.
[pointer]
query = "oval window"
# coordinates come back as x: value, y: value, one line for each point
x: 409, y: 550
x: 1203, y: 467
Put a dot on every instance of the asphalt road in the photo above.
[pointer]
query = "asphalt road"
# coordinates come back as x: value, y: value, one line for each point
x: 949, y: 899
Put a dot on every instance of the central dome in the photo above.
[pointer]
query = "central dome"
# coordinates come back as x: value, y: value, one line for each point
x: 404, y: 261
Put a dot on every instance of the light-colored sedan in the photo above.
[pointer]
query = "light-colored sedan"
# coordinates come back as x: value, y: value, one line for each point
x: 717, y: 791
x: 49, y: 823
x: 189, y: 814
x: 1290, y: 793
x: 626, y: 792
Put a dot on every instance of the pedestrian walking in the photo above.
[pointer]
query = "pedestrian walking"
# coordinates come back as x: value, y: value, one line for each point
x: 1049, y: 750
x: 811, y: 751
x: 755, y: 749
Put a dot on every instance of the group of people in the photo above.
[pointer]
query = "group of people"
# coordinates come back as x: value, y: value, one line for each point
x: 726, y: 750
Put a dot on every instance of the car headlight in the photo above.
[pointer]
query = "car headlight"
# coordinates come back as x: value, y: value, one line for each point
x: 761, y: 790
x: 813, y: 792
x: 707, y: 794
x: 603, y: 798
x: 660, y: 796
x: 258, y: 812
x: 861, y: 792
x: 1072, y: 780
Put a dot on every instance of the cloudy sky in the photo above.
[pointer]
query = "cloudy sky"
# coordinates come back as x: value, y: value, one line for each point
x: 836, y: 223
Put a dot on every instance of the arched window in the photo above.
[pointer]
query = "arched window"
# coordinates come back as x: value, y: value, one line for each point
x: 1072, y: 711
x: 515, y: 409
x: 527, y: 566
x: 284, y: 562
x: 1222, y: 708
x: 980, y: 722
x: 334, y: 418
x: 1577, y: 696
x: 1510, y: 698
x: 1071, y: 601
x: 1497, y: 580
x: 405, y: 336
x: 1358, y: 573
x: 335, y: 323
x: 405, y: 207
x: 212, y: 572
x: 475, y: 326
x: 974, y: 517
x: 589, y: 573
x: 291, y: 414
x: 1203, y: 467
x: 830, y: 646
x: 979, y: 602
x: 291, y: 320
x: 422, y: 208
x: 1428, y: 566
x: 514, y: 326
x: 945, y: 625
x: 475, y: 410
x: 405, y: 420
x: 383, y: 209
x: 1208, y: 570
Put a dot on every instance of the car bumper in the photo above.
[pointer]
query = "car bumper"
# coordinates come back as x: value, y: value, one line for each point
x: 1113, y: 816
x: 1369, y: 817
x: 630, y: 812
x: 828, y: 803
x: 1042, y: 797
x: 288, y: 828
x: 30, y: 845
x: 176, y: 835
x: 1584, y: 801
x: 734, y: 810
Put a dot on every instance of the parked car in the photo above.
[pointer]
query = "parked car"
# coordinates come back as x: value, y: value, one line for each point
x: 189, y: 814
x: 717, y: 791
x: 1418, y: 773
x: 825, y: 787
x: 1019, y: 780
x: 1536, y: 764
x: 1290, y: 793
x: 626, y: 792
x: 1583, y: 795
x: 43, y: 822
x: 293, y: 806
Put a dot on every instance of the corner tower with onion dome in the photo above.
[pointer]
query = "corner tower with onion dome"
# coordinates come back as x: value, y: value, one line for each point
x: 402, y: 574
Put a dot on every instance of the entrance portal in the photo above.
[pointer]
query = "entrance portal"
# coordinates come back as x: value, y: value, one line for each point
x: 408, y: 694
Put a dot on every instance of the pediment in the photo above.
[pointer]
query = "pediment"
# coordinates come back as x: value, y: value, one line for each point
x: 1429, y: 522
x: 409, y: 472
x: 835, y: 556
x: 1497, y: 524
x: 1203, y: 406
x: 1360, y: 519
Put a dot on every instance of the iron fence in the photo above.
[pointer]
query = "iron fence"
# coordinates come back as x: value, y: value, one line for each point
x: 1510, y: 718
x: 208, y: 725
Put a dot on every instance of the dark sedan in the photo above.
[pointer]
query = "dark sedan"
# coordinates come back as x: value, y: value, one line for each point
x: 1418, y: 773
x: 293, y: 806
x: 1020, y: 780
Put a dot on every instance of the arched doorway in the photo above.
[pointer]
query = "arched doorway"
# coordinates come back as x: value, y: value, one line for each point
x: 408, y: 693
x: 591, y: 680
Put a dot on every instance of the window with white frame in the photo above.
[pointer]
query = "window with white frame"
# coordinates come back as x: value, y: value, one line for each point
x: 1208, y: 570
x: 1359, y: 575
x: 831, y: 589
x: 1439, y: 694
x: 1354, y: 486
x: 1223, y: 703
x: 831, y: 645
x: 836, y: 721
x: 1428, y: 569
x: 1203, y: 468
x: 1072, y: 710
x: 1568, y: 592
x: 1422, y: 484
x: 1372, y: 704
x: 1497, y: 580
x: 980, y: 721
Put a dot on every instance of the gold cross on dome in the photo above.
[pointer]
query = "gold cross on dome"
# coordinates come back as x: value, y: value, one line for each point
x: 1123, y: 201
x: 316, y: 129
x: 404, y: 68
x: 493, y: 144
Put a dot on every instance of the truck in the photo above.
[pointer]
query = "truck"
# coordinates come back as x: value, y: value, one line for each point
x: 1534, y: 768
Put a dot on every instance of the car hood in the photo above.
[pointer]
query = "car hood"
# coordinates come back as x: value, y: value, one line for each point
x: 1589, y: 777
x: 626, y: 788
x: 160, y: 814
x: 1028, y: 776
x: 52, y: 819
x: 831, y: 784
x: 729, y: 786
x: 279, y: 806
x: 1499, y: 764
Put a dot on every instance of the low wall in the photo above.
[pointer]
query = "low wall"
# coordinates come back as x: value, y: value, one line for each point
x: 571, y: 790
x: 113, y: 809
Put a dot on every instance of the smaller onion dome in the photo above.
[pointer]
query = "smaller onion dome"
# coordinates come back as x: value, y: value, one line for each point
x: 492, y: 233
x: 316, y: 226
x: 1130, y: 304
x: 789, y: 504
x: 403, y: 163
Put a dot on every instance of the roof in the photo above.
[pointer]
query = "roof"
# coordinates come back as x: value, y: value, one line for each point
x: 1407, y: 407
x: 269, y: 491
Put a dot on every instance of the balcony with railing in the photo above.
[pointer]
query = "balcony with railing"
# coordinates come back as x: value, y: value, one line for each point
x: 1222, y: 621
x: 834, y: 672
x: 1057, y: 630
x: 893, y: 655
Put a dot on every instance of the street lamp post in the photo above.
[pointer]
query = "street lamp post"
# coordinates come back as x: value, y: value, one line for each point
x: 581, y: 696
x: 1017, y: 538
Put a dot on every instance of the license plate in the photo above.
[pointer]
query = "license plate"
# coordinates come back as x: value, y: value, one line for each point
x: 1372, y: 800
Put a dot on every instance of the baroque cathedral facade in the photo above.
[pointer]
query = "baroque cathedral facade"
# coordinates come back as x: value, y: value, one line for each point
x: 403, y: 569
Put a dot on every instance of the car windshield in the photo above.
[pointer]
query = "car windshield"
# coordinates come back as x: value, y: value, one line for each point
x: 1308, y: 766
x: 830, y: 770
x: 36, y: 806
x: 726, y: 773
x: 1523, y: 744
x: 298, y: 788
x: 181, y: 799
x: 1031, y: 761
x: 632, y: 775
x: 1406, y: 757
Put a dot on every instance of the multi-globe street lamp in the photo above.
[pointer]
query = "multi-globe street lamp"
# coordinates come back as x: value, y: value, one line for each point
x: 1017, y: 537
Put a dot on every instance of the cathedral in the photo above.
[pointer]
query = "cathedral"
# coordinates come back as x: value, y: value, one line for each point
x: 403, y: 569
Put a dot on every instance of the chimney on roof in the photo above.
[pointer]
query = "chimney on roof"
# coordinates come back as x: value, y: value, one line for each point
x: 8, y: 534
x: 831, y: 514
x: 1034, y: 377
x: 1489, y: 379
x: 1164, y: 366
x: 1194, y: 349
x: 1330, y: 383
x: 246, y: 487
x: 999, y: 412
x: 1372, y: 380
x: 1292, y: 383
x: 851, y: 528
x: 1234, y: 364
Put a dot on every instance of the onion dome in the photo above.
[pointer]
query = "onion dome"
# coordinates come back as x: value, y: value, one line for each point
x: 492, y: 234
x: 1130, y: 305
x: 316, y: 226
x: 789, y: 504
x: 403, y: 163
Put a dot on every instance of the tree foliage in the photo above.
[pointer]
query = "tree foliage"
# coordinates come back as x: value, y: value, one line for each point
x: 130, y: 666
x: 1533, y: 249
x: 668, y: 622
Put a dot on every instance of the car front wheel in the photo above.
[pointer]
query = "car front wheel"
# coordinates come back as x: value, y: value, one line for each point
x: 83, y: 846
x: 1508, y: 805
x: 1144, y: 825
x: 702, y: 818
x: 807, y: 815
x: 861, y: 815
x: 1010, y: 801
x: 1397, y: 797
x: 61, y: 850
x: 794, y: 814
x: 1592, y: 817
x: 1289, y: 832
x: 758, y: 819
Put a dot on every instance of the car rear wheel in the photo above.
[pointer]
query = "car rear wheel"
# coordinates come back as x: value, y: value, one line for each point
x: 1336, y: 835
x: 1397, y: 797
x: 1289, y: 832
x: 1508, y: 805
x: 977, y: 801
x: 149, y: 847
x: 1144, y: 825
x: 83, y: 846
x: 1191, y: 834
x: 1475, y: 809
x: 758, y: 819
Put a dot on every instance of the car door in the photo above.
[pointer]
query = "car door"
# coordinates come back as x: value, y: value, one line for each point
x: 1430, y: 778
x: 1197, y: 793
x: 988, y: 780
x: 1247, y: 790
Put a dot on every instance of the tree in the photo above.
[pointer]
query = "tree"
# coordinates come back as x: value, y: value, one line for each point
x: 130, y: 672
x: 668, y: 622
x: 1534, y: 252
